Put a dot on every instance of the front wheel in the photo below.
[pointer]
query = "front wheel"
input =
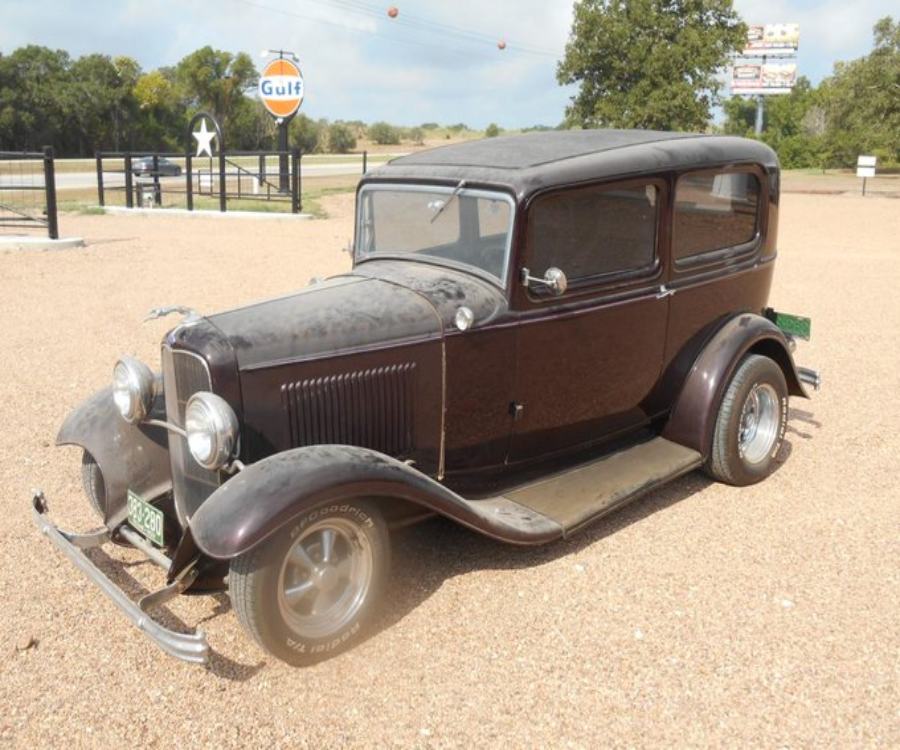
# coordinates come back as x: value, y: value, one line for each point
x: 751, y: 422
x: 308, y: 592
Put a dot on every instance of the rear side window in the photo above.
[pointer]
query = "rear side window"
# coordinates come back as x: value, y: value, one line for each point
x: 594, y: 231
x: 714, y: 211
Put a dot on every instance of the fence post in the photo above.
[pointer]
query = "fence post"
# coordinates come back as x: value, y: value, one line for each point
x: 157, y: 191
x: 188, y: 170
x: 129, y: 192
x: 50, y: 190
x: 365, y: 161
x: 222, y: 184
x: 296, y: 201
x: 100, y: 196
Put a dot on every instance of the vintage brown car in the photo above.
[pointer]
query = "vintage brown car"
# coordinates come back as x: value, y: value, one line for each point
x: 536, y: 330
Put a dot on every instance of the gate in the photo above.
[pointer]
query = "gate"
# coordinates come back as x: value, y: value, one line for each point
x: 28, y: 191
x: 182, y: 180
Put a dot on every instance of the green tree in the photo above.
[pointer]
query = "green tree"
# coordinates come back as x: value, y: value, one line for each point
x: 417, y: 136
x: 384, y: 134
x: 216, y: 80
x: 648, y: 63
x: 492, y: 130
x: 306, y: 134
x: 341, y: 138
x: 861, y: 102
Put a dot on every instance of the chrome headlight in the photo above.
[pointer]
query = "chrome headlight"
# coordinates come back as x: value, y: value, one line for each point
x: 212, y: 429
x: 132, y: 389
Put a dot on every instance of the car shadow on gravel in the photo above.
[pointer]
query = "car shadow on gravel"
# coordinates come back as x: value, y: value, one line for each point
x: 426, y: 555
x: 118, y: 572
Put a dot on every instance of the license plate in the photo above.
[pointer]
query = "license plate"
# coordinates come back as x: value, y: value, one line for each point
x: 145, y: 518
x: 795, y: 325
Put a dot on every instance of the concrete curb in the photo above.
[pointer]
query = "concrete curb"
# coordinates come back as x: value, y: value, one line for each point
x: 22, y: 242
x: 203, y: 214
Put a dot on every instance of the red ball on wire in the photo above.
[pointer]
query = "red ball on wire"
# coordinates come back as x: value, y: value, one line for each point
x: 393, y: 11
x: 501, y: 45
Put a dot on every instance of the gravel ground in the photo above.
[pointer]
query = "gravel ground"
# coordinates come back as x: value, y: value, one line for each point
x: 701, y: 615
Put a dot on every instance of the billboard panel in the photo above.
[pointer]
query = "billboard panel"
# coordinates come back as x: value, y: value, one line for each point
x: 772, y: 39
x: 771, y: 78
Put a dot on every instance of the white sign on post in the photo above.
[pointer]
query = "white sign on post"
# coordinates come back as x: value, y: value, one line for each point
x: 865, y: 166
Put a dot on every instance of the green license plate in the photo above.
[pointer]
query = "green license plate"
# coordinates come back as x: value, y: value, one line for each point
x: 795, y: 325
x: 145, y: 518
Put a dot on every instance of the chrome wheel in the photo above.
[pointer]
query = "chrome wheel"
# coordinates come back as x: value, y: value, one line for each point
x: 760, y: 420
x: 325, y: 578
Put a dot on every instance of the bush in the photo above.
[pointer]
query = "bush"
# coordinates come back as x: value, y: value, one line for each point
x: 417, y: 136
x: 306, y: 134
x: 384, y: 134
x: 492, y: 131
x: 430, y: 126
x: 458, y: 127
x: 341, y: 138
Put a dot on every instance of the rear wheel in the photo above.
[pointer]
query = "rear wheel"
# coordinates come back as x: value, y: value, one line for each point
x: 308, y: 592
x: 94, y: 487
x: 751, y: 422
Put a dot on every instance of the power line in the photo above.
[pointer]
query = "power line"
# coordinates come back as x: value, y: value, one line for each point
x: 358, y: 7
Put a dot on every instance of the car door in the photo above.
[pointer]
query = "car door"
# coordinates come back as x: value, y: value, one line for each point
x: 587, y: 360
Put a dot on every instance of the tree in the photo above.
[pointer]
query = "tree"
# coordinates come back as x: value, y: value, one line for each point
x: 861, y: 101
x: 384, y: 134
x: 648, y: 63
x: 215, y: 80
x: 341, y: 138
x: 492, y: 130
x: 306, y: 134
x: 417, y: 136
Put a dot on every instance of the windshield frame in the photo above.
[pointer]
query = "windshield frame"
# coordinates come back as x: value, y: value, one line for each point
x: 446, y: 190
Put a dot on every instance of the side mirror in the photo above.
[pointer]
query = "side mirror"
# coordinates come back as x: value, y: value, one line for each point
x: 554, y: 279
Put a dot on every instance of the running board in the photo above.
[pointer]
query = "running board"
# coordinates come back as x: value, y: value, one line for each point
x: 573, y: 498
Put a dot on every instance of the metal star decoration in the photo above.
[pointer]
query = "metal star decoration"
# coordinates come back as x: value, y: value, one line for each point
x: 204, y: 139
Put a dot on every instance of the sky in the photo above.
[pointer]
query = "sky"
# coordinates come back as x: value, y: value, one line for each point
x: 358, y: 64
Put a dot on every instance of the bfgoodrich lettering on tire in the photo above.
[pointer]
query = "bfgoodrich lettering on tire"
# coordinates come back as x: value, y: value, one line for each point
x: 750, y: 424
x: 308, y: 592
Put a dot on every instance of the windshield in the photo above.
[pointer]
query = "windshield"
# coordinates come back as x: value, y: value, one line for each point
x: 451, y: 226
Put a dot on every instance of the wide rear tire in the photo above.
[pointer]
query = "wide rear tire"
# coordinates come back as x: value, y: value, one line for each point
x: 750, y: 424
x: 308, y: 592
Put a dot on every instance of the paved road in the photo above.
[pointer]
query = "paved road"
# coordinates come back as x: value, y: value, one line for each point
x: 76, y: 180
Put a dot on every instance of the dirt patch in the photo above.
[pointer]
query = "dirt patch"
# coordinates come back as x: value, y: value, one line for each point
x: 701, y: 615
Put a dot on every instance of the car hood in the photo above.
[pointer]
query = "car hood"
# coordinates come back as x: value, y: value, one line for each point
x: 332, y: 316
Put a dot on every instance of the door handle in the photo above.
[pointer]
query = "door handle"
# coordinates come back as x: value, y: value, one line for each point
x: 664, y: 292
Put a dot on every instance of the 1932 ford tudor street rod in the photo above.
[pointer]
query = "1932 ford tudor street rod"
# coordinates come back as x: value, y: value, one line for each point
x: 535, y: 331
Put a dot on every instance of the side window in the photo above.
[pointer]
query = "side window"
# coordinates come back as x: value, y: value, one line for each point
x: 594, y: 231
x: 714, y: 211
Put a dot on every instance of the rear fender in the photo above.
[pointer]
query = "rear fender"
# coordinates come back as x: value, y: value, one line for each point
x: 694, y: 413
x: 274, y: 492
x: 129, y: 456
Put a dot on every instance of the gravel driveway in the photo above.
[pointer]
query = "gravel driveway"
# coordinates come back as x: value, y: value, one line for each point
x: 701, y: 615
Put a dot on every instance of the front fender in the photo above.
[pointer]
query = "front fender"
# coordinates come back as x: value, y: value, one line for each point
x: 696, y: 407
x: 271, y: 493
x: 129, y: 456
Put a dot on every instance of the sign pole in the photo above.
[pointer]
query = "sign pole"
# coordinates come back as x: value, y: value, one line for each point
x: 759, y: 114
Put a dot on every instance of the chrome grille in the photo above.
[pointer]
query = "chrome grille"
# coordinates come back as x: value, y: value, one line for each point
x: 184, y: 374
x: 369, y: 408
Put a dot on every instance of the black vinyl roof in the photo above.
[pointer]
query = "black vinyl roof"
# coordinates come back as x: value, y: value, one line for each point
x: 529, y: 162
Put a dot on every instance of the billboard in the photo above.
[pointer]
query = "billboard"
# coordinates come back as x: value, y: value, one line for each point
x: 772, y: 40
x: 767, y: 78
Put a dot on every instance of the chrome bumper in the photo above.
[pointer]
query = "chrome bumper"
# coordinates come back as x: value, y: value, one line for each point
x: 190, y: 647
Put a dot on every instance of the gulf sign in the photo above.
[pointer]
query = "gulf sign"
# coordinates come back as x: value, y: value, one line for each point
x: 281, y: 88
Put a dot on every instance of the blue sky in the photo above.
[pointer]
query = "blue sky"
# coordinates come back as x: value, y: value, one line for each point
x: 358, y: 64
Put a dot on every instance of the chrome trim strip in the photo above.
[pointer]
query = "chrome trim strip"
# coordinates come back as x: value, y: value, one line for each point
x: 190, y: 647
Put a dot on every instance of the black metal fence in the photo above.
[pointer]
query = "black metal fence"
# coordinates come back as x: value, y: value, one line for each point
x: 184, y: 180
x: 28, y: 191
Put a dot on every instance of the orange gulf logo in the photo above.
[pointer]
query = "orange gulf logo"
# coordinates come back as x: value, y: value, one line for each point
x: 281, y: 87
